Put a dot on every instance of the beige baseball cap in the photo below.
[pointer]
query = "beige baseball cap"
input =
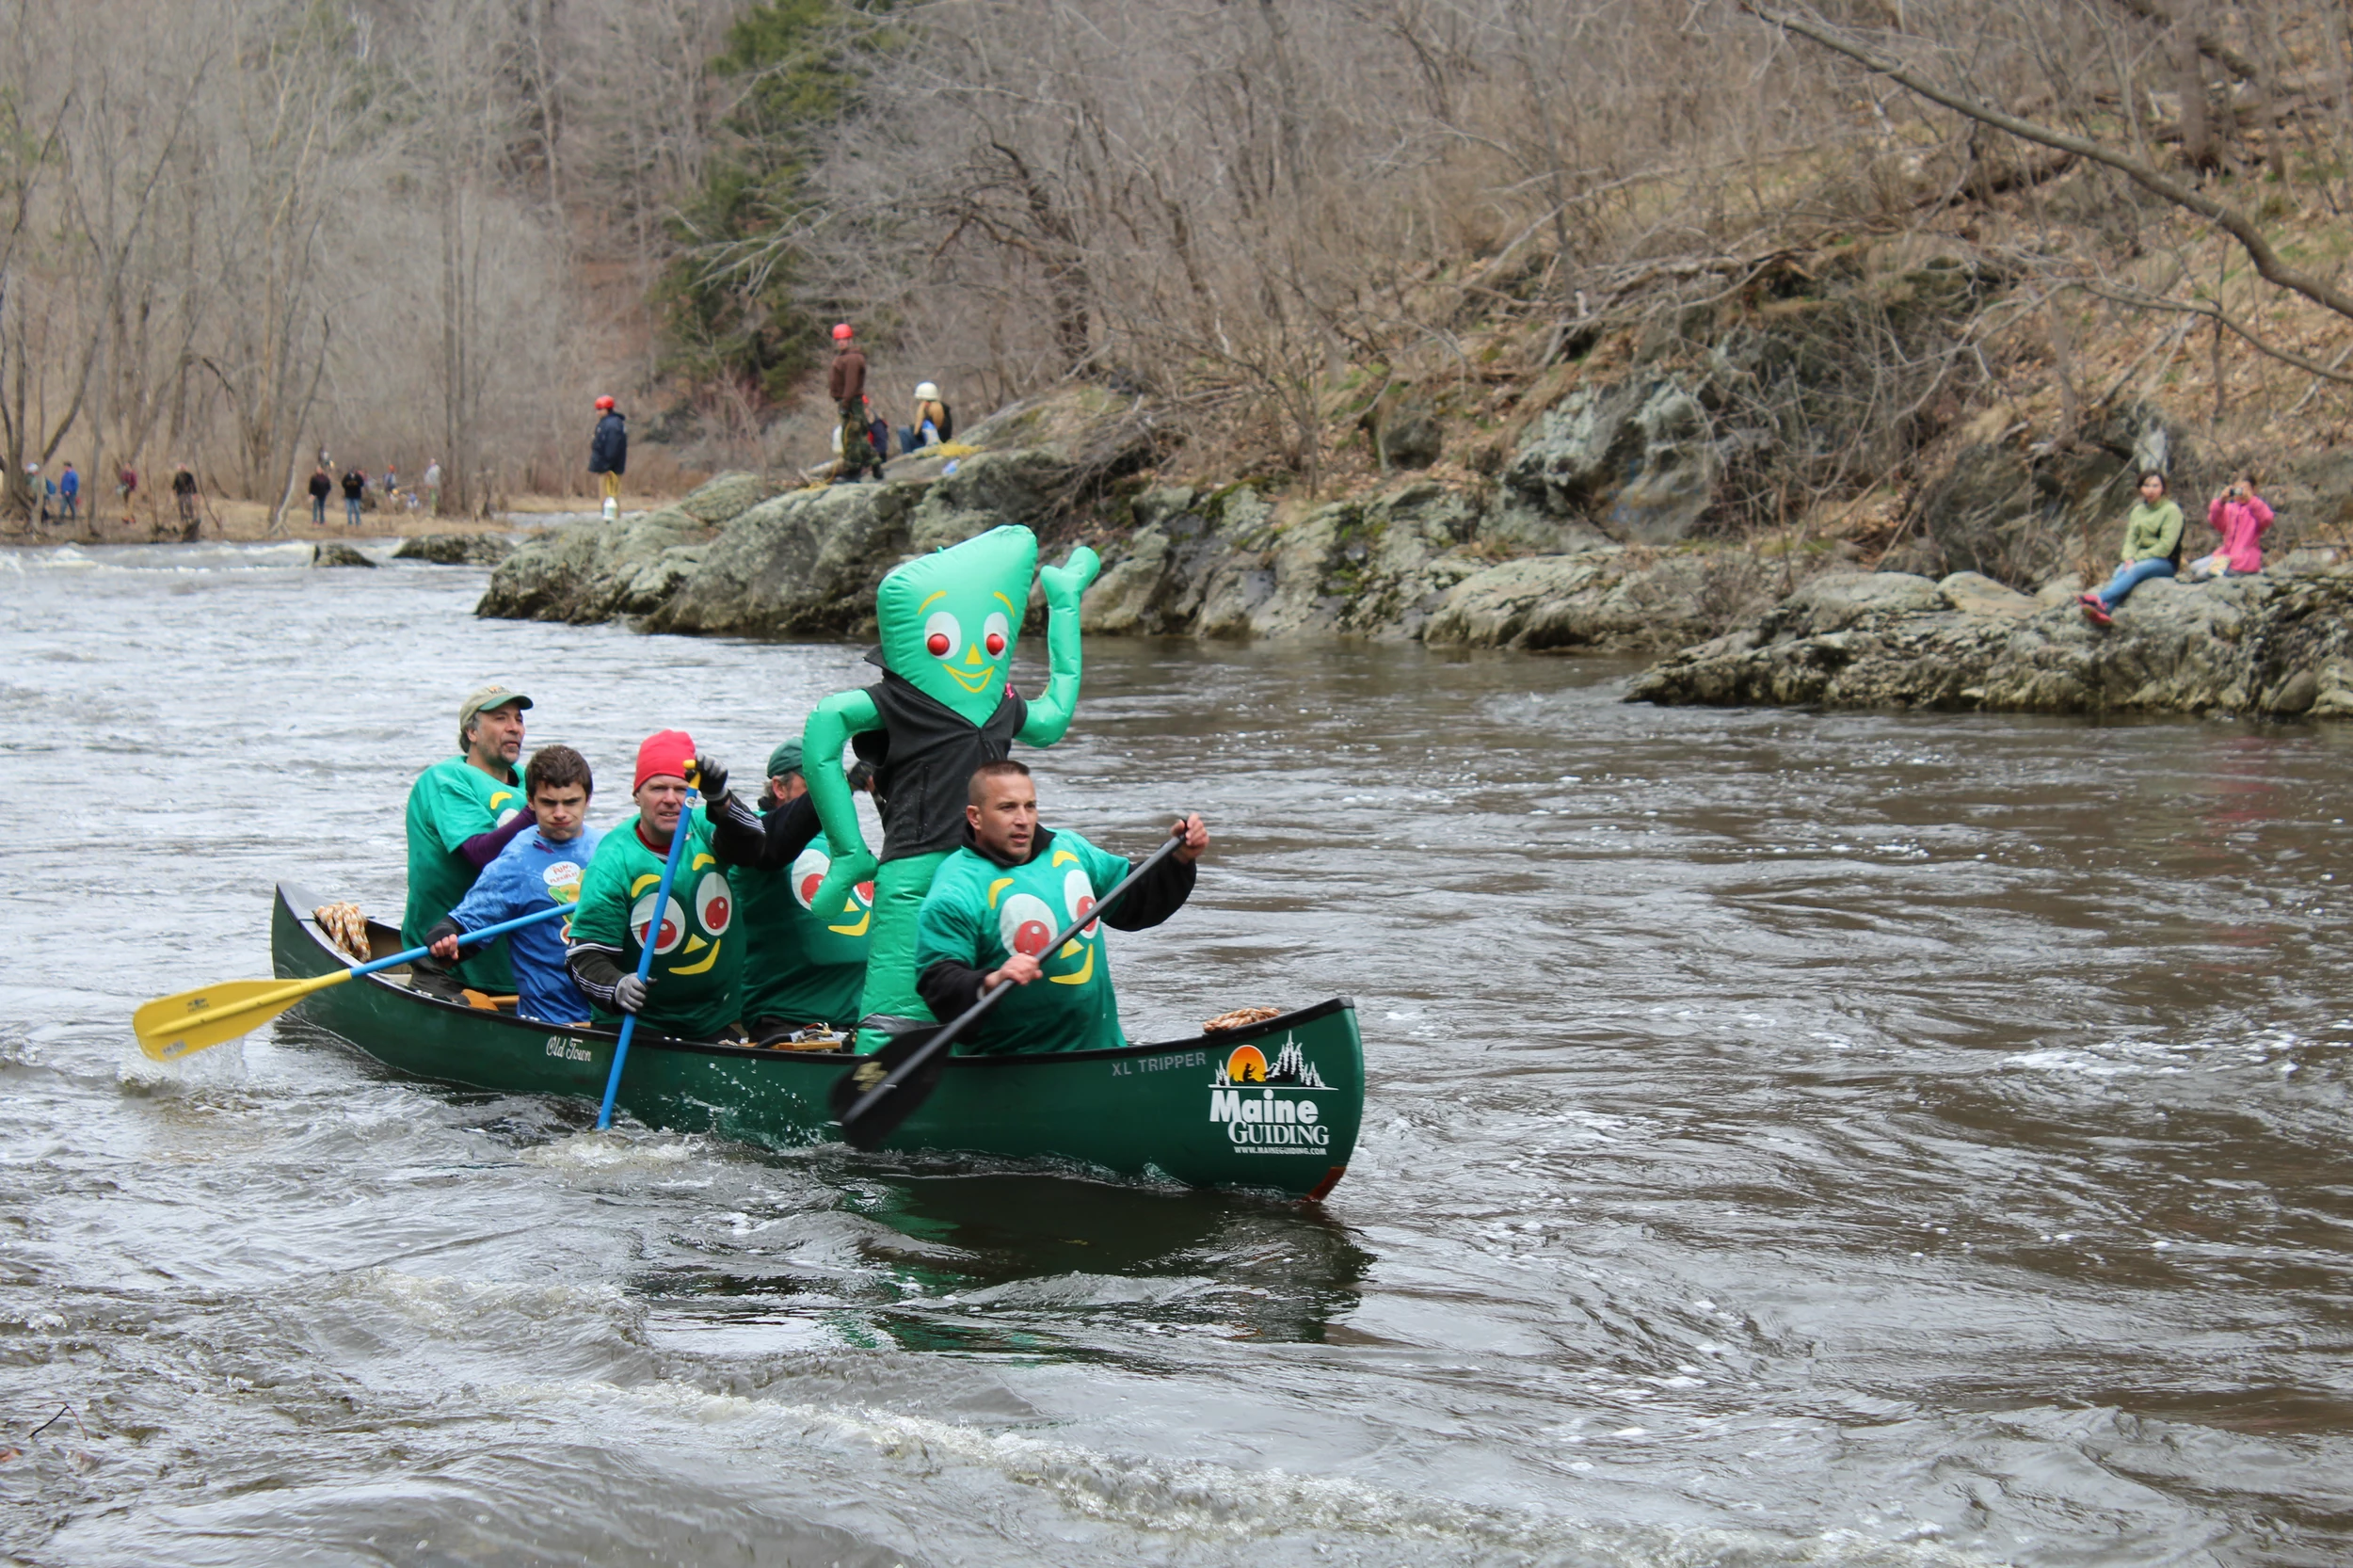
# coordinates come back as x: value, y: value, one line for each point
x: 493, y: 695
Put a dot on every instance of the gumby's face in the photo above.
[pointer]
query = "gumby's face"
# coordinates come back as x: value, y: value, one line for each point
x: 949, y: 619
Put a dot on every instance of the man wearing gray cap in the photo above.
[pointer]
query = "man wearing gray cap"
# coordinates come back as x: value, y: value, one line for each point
x: 462, y: 812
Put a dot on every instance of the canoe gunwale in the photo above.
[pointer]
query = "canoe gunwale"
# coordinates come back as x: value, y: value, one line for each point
x: 298, y: 903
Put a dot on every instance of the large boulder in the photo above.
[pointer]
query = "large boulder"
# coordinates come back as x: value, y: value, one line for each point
x: 1609, y: 598
x: 455, y: 549
x: 596, y: 570
x: 799, y: 565
x: 1634, y: 462
x: 1231, y: 565
x: 338, y: 555
x: 2280, y: 643
x: 724, y: 497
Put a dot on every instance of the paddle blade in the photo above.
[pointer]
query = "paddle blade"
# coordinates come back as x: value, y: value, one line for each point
x: 172, y: 1027
x: 868, y: 1113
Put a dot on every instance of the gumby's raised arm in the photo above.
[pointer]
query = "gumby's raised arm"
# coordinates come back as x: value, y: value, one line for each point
x: 827, y: 731
x: 1050, y: 711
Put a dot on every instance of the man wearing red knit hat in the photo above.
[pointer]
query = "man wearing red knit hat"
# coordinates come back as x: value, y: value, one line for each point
x: 692, y: 992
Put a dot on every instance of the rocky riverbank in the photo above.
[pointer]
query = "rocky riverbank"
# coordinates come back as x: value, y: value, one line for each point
x: 1592, y: 533
x: 1515, y: 565
x: 2278, y: 643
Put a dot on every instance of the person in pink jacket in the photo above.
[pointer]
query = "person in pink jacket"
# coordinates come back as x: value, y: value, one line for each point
x: 2240, y: 515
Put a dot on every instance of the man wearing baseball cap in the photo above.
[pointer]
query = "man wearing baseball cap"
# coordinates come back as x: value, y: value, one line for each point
x: 692, y: 992
x: 462, y: 812
x: 801, y: 966
x: 608, y: 455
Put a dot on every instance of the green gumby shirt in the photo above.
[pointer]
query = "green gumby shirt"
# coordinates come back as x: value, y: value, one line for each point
x: 980, y: 913
x: 693, y: 986
x: 799, y: 965
x: 451, y: 802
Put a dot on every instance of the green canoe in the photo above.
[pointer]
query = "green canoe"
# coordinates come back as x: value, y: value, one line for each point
x: 1270, y: 1106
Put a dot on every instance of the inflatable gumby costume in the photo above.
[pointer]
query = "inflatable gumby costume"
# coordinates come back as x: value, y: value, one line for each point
x: 943, y: 707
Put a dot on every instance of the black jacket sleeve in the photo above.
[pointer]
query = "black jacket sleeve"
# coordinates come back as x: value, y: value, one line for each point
x: 737, y: 838
x: 596, y: 970
x: 1160, y: 894
x: 787, y: 830
x: 948, y: 988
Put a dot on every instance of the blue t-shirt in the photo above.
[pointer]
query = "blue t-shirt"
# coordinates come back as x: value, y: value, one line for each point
x: 529, y: 875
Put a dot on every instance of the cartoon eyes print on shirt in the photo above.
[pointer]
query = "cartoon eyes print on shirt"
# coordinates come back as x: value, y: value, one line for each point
x: 996, y: 632
x: 942, y: 636
x: 809, y: 874
x: 1026, y: 924
x: 673, y: 923
x: 715, y: 903
x: 1077, y: 895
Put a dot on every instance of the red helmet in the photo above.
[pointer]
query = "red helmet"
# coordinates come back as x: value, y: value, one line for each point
x: 603, y: 403
x: 842, y: 333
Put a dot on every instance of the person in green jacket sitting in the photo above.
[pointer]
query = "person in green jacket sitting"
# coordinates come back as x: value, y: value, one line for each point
x: 2152, y: 548
x: 997, y: 901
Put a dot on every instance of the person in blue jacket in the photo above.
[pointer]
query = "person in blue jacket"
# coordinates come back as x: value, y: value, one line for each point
x: 537, y: 870
x: 70, y: 491
x: 608, y: 455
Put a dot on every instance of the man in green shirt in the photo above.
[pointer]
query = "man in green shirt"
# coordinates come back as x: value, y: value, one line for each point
x: 693, y: 991
x: 462, y: 812
x: 800, y: 966
x: 998, y: 900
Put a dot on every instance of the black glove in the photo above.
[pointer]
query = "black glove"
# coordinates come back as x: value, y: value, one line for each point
x: 630, y: 992
x: 711, y: 776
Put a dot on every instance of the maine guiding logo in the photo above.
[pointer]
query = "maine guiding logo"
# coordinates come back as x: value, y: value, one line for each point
x: 1279, y: 1118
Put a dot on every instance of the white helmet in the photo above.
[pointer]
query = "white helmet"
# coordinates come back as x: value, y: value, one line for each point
x: 927, y: 392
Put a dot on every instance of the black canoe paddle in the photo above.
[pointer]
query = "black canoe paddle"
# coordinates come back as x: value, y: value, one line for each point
x: 873, y: 1098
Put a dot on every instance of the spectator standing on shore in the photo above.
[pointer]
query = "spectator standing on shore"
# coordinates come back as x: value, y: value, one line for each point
x: 126, y: 485
x: 608, y: 455
x: 846, y: 383
x: 2240, y: 515
x: 70, y: 493
x: 184, y: 496
x: 433, y: 487
x: 2152, y: 548
x: 48, y: 488
x: 321, y: 488
x: 355, y: 482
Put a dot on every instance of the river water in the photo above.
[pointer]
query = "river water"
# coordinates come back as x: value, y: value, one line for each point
x: 1849, y: 1139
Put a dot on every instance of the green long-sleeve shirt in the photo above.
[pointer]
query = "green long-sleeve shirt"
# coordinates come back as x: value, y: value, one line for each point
x: 2151, y: 532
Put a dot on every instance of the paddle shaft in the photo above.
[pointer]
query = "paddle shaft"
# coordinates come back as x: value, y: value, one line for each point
x: 465, y: 939
x: 679, y: 836
x: 898, y: 1077
x: 177, y: 1025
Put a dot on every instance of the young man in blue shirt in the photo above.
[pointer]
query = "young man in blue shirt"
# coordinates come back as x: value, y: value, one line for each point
x: 538, y: 870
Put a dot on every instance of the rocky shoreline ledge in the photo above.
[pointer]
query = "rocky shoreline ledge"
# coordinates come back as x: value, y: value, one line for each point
x: 2278, y: 643
x: 1517, y: 566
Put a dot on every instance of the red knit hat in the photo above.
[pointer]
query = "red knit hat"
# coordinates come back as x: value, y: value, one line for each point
x: 670, y: 752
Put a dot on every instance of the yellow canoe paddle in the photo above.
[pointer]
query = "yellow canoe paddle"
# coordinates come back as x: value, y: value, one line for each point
x: 172, y: 1027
